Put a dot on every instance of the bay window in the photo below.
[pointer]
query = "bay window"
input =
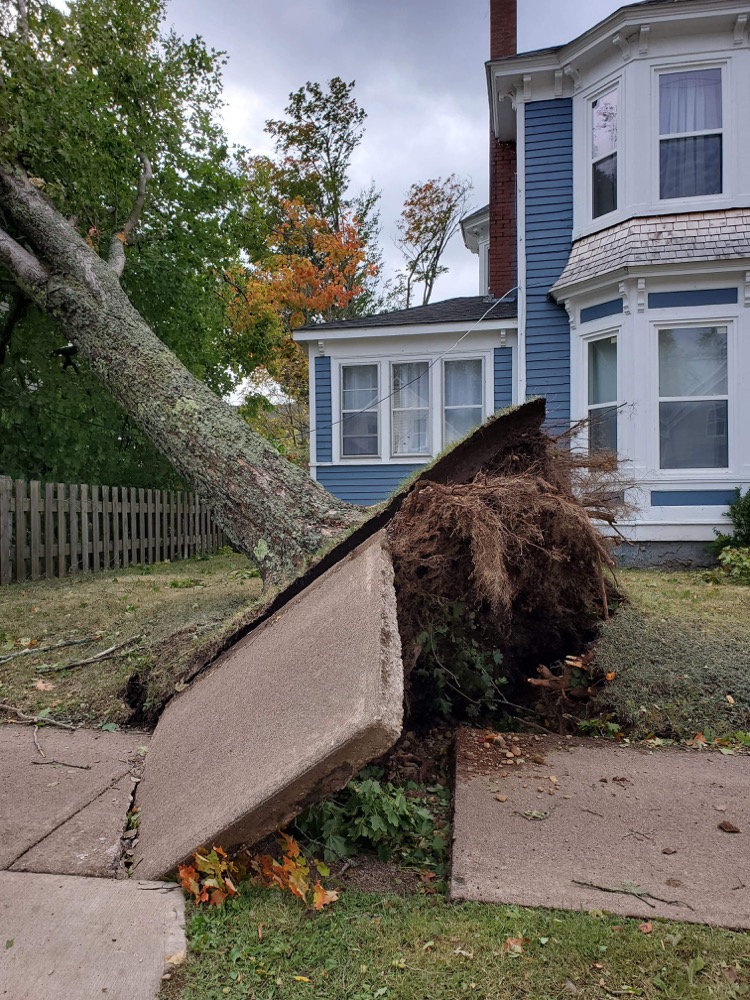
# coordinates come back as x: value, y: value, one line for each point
x: 602, y: 394
x: 410, y: 408
x: 690, y: 131
x: 693, y: 398
x: 463, y: 398
x: 604, y: 154
x: 359, y: 411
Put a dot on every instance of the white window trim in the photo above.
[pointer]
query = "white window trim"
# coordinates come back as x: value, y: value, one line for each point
x: 431, y: 401
x: 340, y: 426
x: 670, y: 205
x: 481, y: 406
x: 385, y: 456
x: 728, y: 473
x: 579, y: 386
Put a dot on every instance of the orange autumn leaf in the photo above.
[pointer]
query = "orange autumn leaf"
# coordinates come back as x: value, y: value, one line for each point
x: 323, y: 897
x: 289, y: 845
x: 44, y: 686
x: 646, y: 927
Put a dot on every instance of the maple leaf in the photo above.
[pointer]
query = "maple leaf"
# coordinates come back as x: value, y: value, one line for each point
x: 289, y: 845
x: 323, y: 897
x: 189, y: 879
x: 44, y: 686
x: 646, y: 927
x: 217, y: 897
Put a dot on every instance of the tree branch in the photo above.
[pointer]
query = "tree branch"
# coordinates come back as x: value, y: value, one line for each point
x: 23, y: 20
x: 119, y: 240
x: 30, y: 276
x: 16, y: 311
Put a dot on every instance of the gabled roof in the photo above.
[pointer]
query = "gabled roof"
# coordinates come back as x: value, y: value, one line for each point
x: 467, y: 308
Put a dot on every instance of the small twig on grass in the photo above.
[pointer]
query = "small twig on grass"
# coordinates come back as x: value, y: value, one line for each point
x: 36, y: 743
x: 633, y: 890
x: 44, y: 721
x: 106, y: 654
x: 64, y: 763
x: 47, y: 649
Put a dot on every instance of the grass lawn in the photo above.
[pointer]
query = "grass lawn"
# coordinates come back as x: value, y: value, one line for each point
x: 681, y: 652
x: 179, y: 608
x: 366, y: 946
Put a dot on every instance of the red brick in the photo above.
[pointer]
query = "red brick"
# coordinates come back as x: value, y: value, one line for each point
x: 503, y: 28
x: 503, y: 271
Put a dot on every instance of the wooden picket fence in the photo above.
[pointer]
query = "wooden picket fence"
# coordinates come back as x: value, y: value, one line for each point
x: 55, y: 529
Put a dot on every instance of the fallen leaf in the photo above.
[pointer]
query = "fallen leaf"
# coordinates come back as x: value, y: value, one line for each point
x: 178, y: 958
x: 730, y: 974
x: 728, y: 827
x: 646, y: 927
x: 501, y: 798
x: 466, y: 954
x: 301, y: 979
x: 668, y: 850
x: 730, y: 699
x: 514, y: 946
x: 428, y: 945
x: 674, y: 882
x: 260, y: 932
x: 44, y: 686
x: 537, y: 814
x: 611, y: 675
x: 322, y: 897
x: 720, y: 809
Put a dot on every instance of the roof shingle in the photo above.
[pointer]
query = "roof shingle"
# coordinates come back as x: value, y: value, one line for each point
x: 467, y: 308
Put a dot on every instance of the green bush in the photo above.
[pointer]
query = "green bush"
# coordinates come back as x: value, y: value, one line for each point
x: 371, y: 814
x: 739, y: 515
x: 456, y: 673
x: 736, y: 563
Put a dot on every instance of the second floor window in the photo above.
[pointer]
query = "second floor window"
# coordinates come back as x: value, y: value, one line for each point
x: 604, y: 154
x: 690, y: 133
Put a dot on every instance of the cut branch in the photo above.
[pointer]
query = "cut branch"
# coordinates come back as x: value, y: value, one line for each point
x: 37, y: 720
x: 119, y: 240
x: 18, y: 308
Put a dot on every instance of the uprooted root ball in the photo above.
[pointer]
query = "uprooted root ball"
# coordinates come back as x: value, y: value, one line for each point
x: 499, y: 574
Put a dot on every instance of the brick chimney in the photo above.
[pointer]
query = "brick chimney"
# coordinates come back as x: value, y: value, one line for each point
x: 503, y: 271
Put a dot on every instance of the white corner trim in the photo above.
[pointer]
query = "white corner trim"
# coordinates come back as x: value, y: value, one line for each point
x: 624, y: 291
x: 558, y: 83
x: 570, y: 309
x: 643, y: 40
x: 527, y: 87
x: 641, y: 295
x: 574, y: 75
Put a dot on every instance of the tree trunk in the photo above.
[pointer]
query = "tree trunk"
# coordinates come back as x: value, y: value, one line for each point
x: 270, y: 509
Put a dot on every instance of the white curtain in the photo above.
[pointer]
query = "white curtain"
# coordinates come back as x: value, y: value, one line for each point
x: 690, y: 101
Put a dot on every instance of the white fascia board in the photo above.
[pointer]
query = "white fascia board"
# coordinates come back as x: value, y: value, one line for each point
x: 712, y: 270
x: 421, y: 330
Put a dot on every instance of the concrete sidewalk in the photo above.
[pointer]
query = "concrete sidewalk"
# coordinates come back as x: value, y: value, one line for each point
x: 593, y: 825
x: 69, y: 938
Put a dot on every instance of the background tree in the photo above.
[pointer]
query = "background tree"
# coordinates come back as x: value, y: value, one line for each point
x: 429, y: 219
x: 88, y: 99
x: 108, y: 140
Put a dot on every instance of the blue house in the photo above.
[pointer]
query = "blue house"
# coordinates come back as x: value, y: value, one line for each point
x: 614, y: 269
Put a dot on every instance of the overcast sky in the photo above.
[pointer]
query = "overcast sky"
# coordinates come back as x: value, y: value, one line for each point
x: 419, y: 70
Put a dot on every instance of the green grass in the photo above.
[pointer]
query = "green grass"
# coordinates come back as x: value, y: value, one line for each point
x: 367, y: 946
x: 679, y: 648
x: 179, y: 607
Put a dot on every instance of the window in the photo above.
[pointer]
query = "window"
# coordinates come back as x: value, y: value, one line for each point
x: 602, y: 410
x: 690, y: 129
x: 604, y: 154
x: 693, y: 408
x: 359, y: 413
x: 463, y: 398
x: 410, y: 408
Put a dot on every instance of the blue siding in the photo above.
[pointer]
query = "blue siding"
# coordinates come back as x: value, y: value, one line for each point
x: 363, y: 484
x: 503, y: 377
x: 692, y: 498
x: 611, y: 308
x: 323, y: 410
x: 696, y: 297
x: 549, y: 223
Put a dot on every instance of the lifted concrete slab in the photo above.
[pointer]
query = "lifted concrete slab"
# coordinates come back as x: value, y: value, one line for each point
x: 64, y: 817
x: 617, y: 815
x: 287, y: 716
x: 66, y: 937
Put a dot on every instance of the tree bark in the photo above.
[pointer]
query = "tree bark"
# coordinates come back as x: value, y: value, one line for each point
x: 270, y: 509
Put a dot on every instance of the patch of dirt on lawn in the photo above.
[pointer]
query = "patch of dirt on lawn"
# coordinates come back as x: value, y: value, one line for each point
x: 366, y: 873
x: 179, y: 608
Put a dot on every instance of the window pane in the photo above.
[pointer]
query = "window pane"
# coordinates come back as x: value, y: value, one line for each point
x: 463, y: 383
x: 411, y: 384
x: 693, y: 362
x: 694, y: 435
x: 459, y: 421
x: 604, y: 125
x: 410, y: 432
x: 360, y: 434
x: 689, y: 101
x: 603, y: 371
x: 603, y: 429
x: 690, y: 167
x: 604, y: 186
x: 359, y: 386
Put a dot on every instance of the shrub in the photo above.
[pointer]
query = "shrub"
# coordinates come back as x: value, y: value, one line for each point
x: 739, y: 515
x: 371, y: 814
x: 736, y: 563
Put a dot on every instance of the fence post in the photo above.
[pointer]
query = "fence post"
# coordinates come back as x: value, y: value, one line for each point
x: 49, y: 532
x: 84, y: 528
x: 62, y: 531
x: 36, y: 529
x: 73, y: 507
x: 20, y: 531
x: 5, y: 529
